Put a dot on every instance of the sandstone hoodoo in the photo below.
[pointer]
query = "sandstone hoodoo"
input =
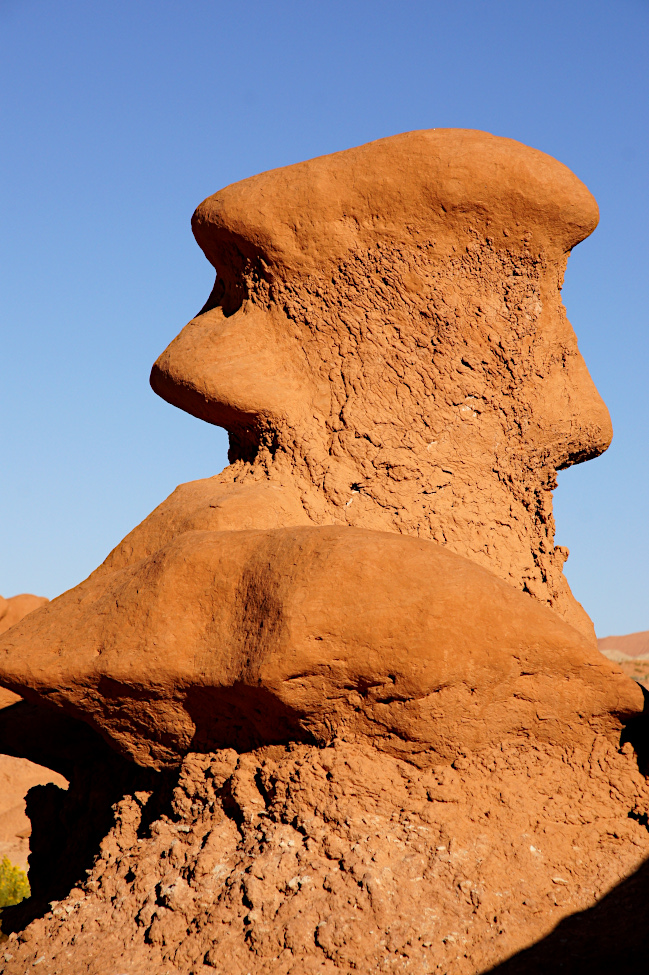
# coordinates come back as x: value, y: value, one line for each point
x: 353, y: 656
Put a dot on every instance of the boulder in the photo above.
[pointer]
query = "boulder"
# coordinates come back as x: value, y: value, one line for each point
x: 13, y: 609
x: 248, y: 638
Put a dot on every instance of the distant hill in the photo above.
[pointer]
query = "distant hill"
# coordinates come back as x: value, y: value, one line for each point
x: 631, y: 645
x: 631, y: 652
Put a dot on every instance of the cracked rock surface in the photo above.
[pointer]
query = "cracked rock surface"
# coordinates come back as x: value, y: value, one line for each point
x: 341, y: 712
x: 344, y: 859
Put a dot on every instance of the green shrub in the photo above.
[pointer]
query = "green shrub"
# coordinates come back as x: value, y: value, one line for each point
x: 14, y: 885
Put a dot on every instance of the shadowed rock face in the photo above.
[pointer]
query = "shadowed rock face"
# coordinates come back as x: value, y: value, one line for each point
x: 17, y: 775
x: 386, y: 344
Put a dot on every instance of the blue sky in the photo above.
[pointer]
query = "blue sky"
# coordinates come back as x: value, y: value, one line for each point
x: 118, y: 118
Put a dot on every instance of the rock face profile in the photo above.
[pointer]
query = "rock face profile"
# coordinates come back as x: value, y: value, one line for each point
x: 386, y: 334
x: 357, y: 719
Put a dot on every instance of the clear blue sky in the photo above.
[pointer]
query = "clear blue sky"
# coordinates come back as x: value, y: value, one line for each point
x: 118, y: 118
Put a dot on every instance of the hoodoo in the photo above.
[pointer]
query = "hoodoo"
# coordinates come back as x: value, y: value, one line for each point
x: 354, y: 651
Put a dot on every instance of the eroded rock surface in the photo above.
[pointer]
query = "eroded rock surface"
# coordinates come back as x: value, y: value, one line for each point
x: 399, y: 747
x: 387, y: 347
x: 344, y: 859
x: 386, y: 333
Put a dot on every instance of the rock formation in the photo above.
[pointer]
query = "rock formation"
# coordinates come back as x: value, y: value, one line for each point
x: 343, y: 859
x: 12, y: 610
x: 353, y: 657
x: 18, y: 775
x: 386, y: 337
x: 255, y: 637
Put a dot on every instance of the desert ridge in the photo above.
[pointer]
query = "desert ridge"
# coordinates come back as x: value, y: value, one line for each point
x: 631, y: 644
x: 630, y: 653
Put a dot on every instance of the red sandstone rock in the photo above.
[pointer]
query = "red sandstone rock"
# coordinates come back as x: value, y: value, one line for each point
x: 17, y: 777
x: 236, y: 639
x: 386, y: 336
x: 307, y: 860
x: 16, y: 607
x: 12, y: 610
x: 387, y: 347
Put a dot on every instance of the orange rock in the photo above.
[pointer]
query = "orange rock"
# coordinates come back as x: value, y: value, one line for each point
x: 387, y: 347
x: 386, y: 333
x: 17, y: 777
x: 325, y: 861
x: 245, y: 638
x: 13, y: 609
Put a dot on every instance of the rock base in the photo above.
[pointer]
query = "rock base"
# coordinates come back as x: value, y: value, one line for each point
x: 301, y: 859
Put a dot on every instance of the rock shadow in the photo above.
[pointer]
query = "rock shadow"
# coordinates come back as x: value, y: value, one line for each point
x: 241, y: 717
x: 67, y: 825
x: 636, y: 731
x: 611, y: 938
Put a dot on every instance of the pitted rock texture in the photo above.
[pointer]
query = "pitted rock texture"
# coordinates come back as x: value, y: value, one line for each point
x: 373, y: 581
x: 301, y: 860
x: 386, y: 334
